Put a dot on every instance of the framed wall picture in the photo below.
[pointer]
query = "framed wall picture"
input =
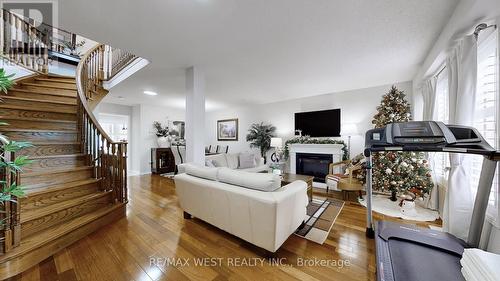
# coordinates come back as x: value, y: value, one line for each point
x: 227, y: 130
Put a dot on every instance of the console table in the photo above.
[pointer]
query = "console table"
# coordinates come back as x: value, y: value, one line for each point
x: 162, y: 160
x: 288, y: 178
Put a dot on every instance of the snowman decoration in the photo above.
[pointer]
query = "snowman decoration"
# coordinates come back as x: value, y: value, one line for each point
x: 407, y: 203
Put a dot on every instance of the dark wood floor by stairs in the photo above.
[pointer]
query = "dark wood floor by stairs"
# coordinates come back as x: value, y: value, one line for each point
x: 64, y: 201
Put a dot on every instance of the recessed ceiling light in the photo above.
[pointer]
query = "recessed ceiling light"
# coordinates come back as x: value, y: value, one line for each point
x: 150, y: 93
x: 121, y: 98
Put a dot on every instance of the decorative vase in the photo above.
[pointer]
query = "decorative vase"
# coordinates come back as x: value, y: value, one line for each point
x: 393, y: 195
x: 164, y: 142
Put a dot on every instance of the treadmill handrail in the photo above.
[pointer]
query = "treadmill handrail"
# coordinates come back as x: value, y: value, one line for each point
x: 468, y: 142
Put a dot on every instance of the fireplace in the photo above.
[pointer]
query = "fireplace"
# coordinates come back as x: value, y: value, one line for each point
x: 313, y: 164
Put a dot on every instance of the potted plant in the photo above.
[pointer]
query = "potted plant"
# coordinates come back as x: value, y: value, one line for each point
x: 71, y: 49
x: 9, y: 189
x: 5, y: 81
x: 163, y: 133
x: 259, y: 135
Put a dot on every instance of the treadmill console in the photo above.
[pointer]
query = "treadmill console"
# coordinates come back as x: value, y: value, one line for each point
x: 427, y: 136
x: 419, y: 133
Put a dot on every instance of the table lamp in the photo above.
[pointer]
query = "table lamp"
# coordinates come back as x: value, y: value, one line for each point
x: 349, y: 129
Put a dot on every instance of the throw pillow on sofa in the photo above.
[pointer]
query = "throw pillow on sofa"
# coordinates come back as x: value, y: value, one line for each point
x: 257, y: 181
x: 258, y: 159
x: 219, y: 160
x: 247, y: 160
x: 202, y: 172
x: 232, y: 160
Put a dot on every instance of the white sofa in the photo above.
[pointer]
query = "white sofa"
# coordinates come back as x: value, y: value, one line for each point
x: 231, y: 160
x: 263, y: 218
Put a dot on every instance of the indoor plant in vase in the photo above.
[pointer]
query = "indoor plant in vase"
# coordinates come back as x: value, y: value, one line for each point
x: 163, y: 134
x: 259, y: 135
x: 9, y: 187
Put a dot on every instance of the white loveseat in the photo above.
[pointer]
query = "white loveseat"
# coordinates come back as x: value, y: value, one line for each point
x: 231, y: 201
x: 231, y: 160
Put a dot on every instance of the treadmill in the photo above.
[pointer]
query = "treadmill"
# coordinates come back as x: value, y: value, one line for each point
x: 410, y: 253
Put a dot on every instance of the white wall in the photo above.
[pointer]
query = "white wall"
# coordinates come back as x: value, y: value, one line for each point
x: 358, y: 106
x: 111, y: 108
x: 466, y: 16
x: 123, y: 110
x: 142, y: 137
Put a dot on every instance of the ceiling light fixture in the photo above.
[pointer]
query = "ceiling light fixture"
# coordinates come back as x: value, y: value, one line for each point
x: 150, y: 93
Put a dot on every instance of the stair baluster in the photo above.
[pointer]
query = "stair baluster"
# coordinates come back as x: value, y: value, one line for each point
x: 107, y: 156
x: 27, y: 46
x: 23, y: 44
x: 10, y: 232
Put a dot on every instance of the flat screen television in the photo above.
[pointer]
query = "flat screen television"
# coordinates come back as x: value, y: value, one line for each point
x: 324, y: 123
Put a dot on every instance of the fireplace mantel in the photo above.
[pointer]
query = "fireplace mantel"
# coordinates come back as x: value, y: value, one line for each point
x: 332, y: 149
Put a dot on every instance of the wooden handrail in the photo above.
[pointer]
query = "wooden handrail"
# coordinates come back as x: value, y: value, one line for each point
x: 108, y: 157
x: 81, y: 93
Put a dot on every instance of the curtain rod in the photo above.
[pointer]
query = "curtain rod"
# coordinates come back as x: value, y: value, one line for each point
x: 482, y: 26
x: 441, y: 70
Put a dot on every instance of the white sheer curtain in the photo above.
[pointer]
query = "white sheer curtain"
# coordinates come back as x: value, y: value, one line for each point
x: 462, y: 71
x: 429, y: 97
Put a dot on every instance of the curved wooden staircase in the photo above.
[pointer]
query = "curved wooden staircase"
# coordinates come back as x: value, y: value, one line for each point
x: 65, y: 200
x: 77, y: 182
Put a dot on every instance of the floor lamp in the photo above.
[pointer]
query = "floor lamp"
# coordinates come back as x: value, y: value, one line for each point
x: 349, y: 129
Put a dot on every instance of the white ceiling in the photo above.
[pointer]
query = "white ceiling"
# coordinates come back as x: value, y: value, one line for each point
x: 261, y: 51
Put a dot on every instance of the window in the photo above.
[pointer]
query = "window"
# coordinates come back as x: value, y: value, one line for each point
x: 116, y: 131
x: 487, y: 107
x: 441, y: 113
x: 116, y: 126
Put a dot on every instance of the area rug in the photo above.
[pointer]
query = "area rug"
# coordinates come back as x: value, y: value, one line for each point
x: 168, y: 175
x: 321, y: 215
x: 381, y: 204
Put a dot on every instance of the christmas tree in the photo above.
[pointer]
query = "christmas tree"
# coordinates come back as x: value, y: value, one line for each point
x: 399, y: 172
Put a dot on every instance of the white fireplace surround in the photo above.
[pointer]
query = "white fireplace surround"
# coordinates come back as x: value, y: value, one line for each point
x: 335, y: 150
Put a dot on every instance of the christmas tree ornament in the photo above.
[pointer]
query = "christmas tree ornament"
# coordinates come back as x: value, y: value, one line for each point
x: 404, y: 171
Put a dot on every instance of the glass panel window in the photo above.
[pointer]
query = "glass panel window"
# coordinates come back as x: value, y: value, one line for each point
x: 487, y: 107
x: 441, y: 113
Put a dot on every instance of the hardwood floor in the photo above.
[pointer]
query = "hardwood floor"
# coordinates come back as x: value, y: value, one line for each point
x: 135, y: 247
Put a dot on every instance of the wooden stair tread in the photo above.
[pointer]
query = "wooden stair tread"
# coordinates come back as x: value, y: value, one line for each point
x: 59, y: 187
x: 39, y: 100
x: 35, y: 143
x: 20, y: 107
x: 60, y: 94
x: 58, y: 80
x: 56, y: 156
x: 56, y: 171
x: 37, y: 119
x: 48, y: 86
x: 7, y: 129
x: 60, y: 76
x: 49, y: 209
x: 52, y: 110
x: 33, y: 242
